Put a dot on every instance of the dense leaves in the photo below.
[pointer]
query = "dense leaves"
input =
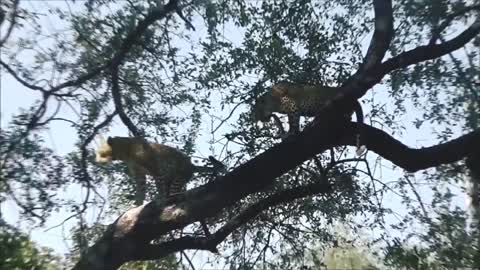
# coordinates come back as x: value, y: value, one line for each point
x: 19, y: 252
x: 193, y: 88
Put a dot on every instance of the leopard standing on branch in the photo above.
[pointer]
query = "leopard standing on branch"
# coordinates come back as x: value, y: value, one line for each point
x: 170, y: 168
x: 297, y: 100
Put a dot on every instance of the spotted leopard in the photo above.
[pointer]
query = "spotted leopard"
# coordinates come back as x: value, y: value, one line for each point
x: 296, y: 100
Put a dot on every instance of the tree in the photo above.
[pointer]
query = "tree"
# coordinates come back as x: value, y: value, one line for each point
x: 19, y: 252
x: 164, y: 70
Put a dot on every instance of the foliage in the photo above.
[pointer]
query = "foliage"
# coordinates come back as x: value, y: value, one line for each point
x: 17, y: 251
x: 193, y: 89
x: 447, y: 243
x: 168, y: 263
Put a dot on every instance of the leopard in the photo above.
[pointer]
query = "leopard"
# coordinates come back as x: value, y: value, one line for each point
x: 296, y: 100
x: 170, y: 167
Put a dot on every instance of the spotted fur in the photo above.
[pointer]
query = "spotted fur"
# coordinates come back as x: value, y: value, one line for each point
x: 296, y: 99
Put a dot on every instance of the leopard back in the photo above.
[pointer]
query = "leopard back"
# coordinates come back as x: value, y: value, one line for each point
x: 305, y: 106
x: 170, y: 168
x: 289, y: 98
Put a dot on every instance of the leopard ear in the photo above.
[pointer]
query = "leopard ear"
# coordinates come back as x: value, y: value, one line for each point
x: 279, y: 89
x: 109, y: 140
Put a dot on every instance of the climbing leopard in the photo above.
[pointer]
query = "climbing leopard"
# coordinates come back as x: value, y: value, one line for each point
x: 170, y: 168
x: 297, y: 100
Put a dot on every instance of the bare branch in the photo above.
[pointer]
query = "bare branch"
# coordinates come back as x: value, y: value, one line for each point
x: 438, y: 30
x: 408, y: 158
x: 417, y: 195
x: 117, y: 99
x: 12, y: 23
x: 355, y: 87
x: 228, y: 116
x: 382, y: 36
x: 130, y: 40
x: 187, y: 22
x: 428, y: 52
x: 20, y: 80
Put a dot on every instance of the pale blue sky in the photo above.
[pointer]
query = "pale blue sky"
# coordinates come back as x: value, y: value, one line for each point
x: 61, y: 137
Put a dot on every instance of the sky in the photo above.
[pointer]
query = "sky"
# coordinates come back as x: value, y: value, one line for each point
x: 61, y: 137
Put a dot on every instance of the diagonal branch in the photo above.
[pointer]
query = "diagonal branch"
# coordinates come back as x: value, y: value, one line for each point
x: 438, y: 30
x: 358, y: 84
x: 382, y: 36
x: 152, y: 252
x: 156, y: 14
x: 13, y: 20
x: 355, y: 87
x: 117, y: 100
x: 281, y: 197
x: 378, y: 141
x: 428, y: 52
x: 138, y: 226
x: 408, y: 158
x: 132, y: 37
x: 19, y: 79
x: 187, y: 22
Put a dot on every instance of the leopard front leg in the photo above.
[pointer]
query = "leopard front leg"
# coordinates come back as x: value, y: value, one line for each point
x: 294, y: 125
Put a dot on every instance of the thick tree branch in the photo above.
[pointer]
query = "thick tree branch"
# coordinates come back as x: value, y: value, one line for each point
x: 355, y: 87
x: 138, y: 226
x: 408, y: 158
x: 152, y: 252
x: 358, y: 84
x: 382, y: 36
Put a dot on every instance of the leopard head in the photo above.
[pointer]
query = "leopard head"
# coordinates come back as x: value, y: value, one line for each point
x: 104, y: 152
x: 118, y: 148
x: 270, y: 102
x: 263, y: 108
